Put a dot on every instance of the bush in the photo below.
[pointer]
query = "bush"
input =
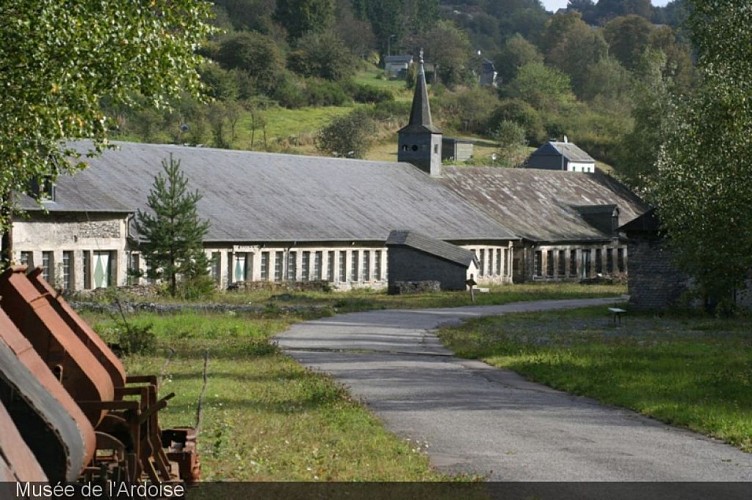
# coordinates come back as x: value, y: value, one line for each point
x: 369, y: 95
x: 325, y: 93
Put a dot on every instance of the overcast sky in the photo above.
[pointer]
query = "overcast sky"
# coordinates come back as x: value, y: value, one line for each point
x: 554, y: 5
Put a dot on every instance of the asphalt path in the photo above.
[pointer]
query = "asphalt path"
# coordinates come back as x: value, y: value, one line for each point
x: 473, y: 418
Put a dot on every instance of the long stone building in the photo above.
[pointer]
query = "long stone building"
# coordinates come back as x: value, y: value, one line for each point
x: 278, y: 217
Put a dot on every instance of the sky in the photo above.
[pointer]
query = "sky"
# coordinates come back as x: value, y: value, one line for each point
x: 554, y: 5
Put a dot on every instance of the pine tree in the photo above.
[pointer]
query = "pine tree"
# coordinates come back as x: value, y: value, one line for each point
x: 172, y: 233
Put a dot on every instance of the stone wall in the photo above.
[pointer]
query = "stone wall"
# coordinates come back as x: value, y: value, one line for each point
x: 654, y: 282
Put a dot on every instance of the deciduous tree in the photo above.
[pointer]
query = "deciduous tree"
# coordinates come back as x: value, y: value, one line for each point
x: 704, y: 191
x: 58, y: 60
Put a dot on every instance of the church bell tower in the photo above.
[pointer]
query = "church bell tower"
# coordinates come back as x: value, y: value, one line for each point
x: 419, y: 141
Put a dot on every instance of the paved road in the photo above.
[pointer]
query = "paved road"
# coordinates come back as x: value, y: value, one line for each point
x: 477, y: 419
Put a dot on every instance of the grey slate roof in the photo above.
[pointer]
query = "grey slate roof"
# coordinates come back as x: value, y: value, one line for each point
x: 566, y: 149
x: 431, y: 246
x: 256, y: 197
x: 543, y: 205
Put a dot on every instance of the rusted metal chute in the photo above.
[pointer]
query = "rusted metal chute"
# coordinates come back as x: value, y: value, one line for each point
x: 43, y: 333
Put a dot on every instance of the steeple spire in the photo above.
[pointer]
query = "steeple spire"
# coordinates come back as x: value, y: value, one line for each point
x: 420, y: 113
x: 419, y: 142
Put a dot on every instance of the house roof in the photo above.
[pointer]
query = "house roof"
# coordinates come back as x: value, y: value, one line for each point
x: 543, y: 205
x: 398, y: 59
x: 568, y: 150
x: 251, y: 196
x: 431, y: 246
x: 649, y: 223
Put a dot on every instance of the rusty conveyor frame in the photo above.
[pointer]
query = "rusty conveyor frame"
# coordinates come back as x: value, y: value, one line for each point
x: 126, y: 423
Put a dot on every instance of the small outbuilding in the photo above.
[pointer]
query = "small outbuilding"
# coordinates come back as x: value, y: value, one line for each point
x: 456, y: 149
x: 415, y: 258
x: 564, y: 156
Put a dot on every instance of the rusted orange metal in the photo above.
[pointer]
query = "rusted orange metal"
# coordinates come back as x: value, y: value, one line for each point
x: 82, y: 375
x: 83, y: 331
x: 124, y: 409
x: 48, y: 418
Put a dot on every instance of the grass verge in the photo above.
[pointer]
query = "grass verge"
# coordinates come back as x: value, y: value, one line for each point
x: 264, y: 417
x: 692, y: 372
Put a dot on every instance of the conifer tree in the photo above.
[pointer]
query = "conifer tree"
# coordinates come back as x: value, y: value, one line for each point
x: 171, y: 232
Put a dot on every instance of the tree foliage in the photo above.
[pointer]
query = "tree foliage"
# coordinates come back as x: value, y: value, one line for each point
x: 172, y: 233
x: 704, y: 190
x: 60, y: 59
x: 300, y: 17
x: 349, y: 135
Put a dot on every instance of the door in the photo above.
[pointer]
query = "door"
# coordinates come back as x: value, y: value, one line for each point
x: 101, y: 269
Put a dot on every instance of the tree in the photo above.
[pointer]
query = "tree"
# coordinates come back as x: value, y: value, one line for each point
x: 546, y: 89
x: 515, y: 53
x: 350, y: 135
x: 321, y: 55
x: 304, y: 16
x: 627, y: 38
x: 450, y: 49
x: 704, y: 190
x: 253, y: 53
x: 171, y: 232
x: 59, y: 60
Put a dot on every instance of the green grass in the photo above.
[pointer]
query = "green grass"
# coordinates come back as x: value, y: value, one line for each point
x: 265, y: 417
x: 374, y: 77
x: 690, y: 372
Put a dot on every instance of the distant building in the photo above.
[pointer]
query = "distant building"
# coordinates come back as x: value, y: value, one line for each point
x: 561, y: 156
x: 456, y: 149
x: 279, y: 217
x: 397, y: 66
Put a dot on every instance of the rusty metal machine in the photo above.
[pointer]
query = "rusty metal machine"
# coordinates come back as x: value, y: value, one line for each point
x: 70, y: 400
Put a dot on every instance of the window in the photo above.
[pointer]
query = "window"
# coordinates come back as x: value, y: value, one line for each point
x: 292, y: 266
x: 278, y: 265
x: 609, y: 260
x: 215, y: 266
x: 264, y: 266
x: 318, y: 258
x: 598, y: 261
x: 102, y: 269
x: 482, y: 263
x: 573, y: 262
x: 586, y: 263
x: 305, y: 267
x: 506, y: 262
x: 48, y: 273
x: 366, y: 265
x: 377, y: 265
x: 68, y: 270
x: 330, y: 267
x: 550, y: 263
x: 343, y: 266
x: 240, y: 267
x: 134, y: 268
x: 27, y: 259
x: 86, y: 264
x: 562, y: 268
x: 498, y: 261
x: 620, y: 260
x: 538, y: 263
x: 354, y: 266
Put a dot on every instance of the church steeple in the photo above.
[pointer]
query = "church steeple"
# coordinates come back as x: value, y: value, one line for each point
x: 420, y: 113
x: 420, y: 141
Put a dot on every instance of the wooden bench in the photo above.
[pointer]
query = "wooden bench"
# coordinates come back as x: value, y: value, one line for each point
x: 617, y: 312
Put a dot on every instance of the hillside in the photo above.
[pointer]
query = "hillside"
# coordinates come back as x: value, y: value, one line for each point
x: 275, y: 79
